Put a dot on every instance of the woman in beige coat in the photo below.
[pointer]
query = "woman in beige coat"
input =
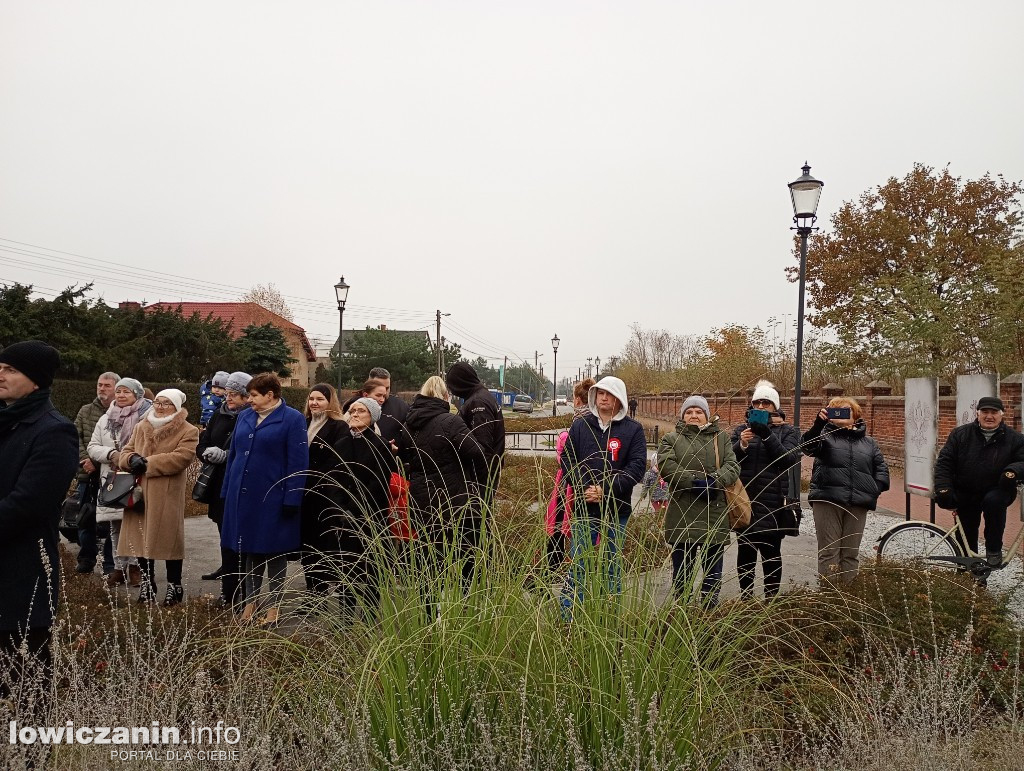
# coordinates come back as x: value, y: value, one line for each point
x: 162, y: 447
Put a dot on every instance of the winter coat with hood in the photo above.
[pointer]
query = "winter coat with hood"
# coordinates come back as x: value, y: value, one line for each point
x: 687, y: 455
x: 264, y: 475
x: 40, y: 455
x: 849, y: 468
x: 764, y: 471
x: 481, y: 412
x: 441, y: 458
x: 612, y: 455
x: 971, y: 465
x: 158, y: 533
x: 209, y: 402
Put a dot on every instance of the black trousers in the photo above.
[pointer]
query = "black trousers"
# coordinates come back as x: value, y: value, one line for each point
x: 993, y: 506
x: 769, y: 545
x: 33, y: 670
x: 148, y: 568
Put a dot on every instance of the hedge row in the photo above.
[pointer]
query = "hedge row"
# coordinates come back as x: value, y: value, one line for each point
x: 69, y: 396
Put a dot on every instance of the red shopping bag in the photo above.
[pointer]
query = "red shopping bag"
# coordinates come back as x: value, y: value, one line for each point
x: 398, y: 511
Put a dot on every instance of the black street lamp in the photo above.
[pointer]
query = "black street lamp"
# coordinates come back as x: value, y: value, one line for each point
x: 341, y: 292
x: 554, y: 377
x: 805, y: 192
x: 597, y: 367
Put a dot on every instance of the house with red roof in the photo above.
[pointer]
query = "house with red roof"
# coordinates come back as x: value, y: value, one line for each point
x: 240, y: 315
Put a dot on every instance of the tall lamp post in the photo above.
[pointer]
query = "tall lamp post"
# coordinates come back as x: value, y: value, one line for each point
x: 341, y: 292
x: 805, y: 192
x: 597, y: 367
x: 554, y: 377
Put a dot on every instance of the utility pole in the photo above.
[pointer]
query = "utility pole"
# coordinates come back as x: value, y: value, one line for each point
x: 437, y: 343
x: 441, y: 372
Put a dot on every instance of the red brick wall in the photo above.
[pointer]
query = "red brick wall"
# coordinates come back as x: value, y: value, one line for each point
x: 883, y: 414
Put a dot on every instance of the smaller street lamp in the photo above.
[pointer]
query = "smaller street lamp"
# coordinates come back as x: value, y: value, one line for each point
x: 341, y: 292
x: 554, y: 377
x: 597, y: 367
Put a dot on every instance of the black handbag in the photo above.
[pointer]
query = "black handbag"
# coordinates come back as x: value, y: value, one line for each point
x: 203, y: 491
x: 789, y: 518
x: 79, y: 508
x: 120, y: 490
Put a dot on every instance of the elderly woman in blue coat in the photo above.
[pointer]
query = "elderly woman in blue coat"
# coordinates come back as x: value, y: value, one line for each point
x: 263, y: 488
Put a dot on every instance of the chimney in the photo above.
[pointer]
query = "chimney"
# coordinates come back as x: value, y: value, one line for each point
x: 383, y: 327
x: 128, y: 305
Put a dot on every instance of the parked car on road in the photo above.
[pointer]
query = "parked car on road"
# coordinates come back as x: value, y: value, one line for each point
x: 561, y: 401
x: 522, y: 403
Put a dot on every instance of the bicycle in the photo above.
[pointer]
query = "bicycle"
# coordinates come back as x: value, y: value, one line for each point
x: 932, y: 546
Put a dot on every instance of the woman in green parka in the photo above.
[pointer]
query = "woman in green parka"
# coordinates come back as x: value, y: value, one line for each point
x: 696, y: 525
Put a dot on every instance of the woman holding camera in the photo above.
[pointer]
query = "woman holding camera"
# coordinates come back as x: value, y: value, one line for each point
x: 849, y: 474
x: 765, y: 447
x: 162, y: 447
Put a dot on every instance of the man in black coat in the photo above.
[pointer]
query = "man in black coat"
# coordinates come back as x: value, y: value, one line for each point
x: 39, y: 448
x: 977, y: 472
x: 482, y: 414
x: 394, y: 410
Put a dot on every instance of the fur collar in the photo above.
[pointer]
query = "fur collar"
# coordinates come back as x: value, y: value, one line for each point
x: 170, y: 427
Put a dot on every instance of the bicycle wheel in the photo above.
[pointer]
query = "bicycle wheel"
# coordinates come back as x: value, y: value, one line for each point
x: 916, y: 542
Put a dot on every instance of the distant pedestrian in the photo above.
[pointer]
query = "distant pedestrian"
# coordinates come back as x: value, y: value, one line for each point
x: 214, y: 444
x: 558, y: 522
x: 113, y: 431
x: 40, y: 455
x: 766, y: 448
x: 698, y: 463
x: 211, y: 396
x: 604, y: 458
x: 88, y: 476
x: 977, y: 473
x: 482, y: 414
x: 848, y: 476
x: 162, y: 447
x: 655, y: 488
x: 393, y: 411
x: 443, y: 461
x: 263, y: 490
x: 633, y: 403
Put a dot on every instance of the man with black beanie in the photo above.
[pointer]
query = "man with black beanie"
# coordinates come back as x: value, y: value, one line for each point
x: 482, y: 415
x: 977, y: 473
x: 39, y: 447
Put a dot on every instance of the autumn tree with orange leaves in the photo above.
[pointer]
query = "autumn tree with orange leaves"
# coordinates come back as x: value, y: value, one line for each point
x: 922, y: 275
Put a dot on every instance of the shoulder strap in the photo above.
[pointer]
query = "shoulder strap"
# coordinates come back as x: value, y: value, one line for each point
x: 718, y: 455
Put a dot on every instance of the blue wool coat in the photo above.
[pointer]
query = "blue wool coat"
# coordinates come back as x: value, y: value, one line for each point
x: 264, y: 474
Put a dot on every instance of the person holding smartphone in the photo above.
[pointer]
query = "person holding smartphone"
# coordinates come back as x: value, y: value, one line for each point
x: 848, y: 476
x: 765, y: 447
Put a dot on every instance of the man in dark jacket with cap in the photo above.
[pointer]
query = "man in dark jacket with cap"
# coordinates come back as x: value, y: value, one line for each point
x: 482, y: 415
x: 39, y: 448
x: 977, y: 472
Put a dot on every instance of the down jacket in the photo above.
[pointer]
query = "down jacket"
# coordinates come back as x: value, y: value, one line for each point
x: 849, y: 468
x: 970, y: 465
x: 442, y: 460
x: 158, y: 533
x: 764, y: 471
x: 684, y: 456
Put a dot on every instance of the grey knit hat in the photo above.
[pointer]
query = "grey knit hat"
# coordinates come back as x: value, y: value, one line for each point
x: 371, y: 405
x: 238, y: 382
x: 132, y: 385
x: 220, y: 380
x: 696, y: 401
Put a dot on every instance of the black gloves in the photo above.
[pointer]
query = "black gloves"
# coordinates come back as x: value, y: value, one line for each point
x: 762, y: 430
x: 705, y: 487
x: 945, y: 499
x: 137, y: 464
x: 290, y: 511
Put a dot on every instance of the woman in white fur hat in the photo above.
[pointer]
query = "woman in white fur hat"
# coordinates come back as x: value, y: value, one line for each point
x: 162, y: 447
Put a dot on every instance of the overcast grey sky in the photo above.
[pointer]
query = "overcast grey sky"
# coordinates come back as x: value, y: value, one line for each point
x: 528, y: 167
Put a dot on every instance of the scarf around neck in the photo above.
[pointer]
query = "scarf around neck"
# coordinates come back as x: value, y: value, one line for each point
x: 23, y: 407
x: 121, y: 421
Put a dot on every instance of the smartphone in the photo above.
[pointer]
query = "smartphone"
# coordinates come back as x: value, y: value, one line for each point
x: 838, y: 413
x: 759, y: 416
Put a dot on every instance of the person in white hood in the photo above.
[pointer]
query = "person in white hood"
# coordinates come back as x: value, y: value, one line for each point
x: 605, y: 456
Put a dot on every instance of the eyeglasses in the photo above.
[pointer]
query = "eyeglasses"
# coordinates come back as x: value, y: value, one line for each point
x: 763, y: 403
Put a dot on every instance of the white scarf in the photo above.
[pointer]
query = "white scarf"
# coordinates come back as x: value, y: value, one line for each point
x: 157, y: 422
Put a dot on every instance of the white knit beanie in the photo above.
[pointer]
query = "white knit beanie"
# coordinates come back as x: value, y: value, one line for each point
x: 176, y: 397
x: 765, y: 390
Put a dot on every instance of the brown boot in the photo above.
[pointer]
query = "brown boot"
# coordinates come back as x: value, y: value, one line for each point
x: 115, y: 578
x: 134, y: 575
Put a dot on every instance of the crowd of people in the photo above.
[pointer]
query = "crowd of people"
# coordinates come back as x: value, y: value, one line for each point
x: 345, y: 478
